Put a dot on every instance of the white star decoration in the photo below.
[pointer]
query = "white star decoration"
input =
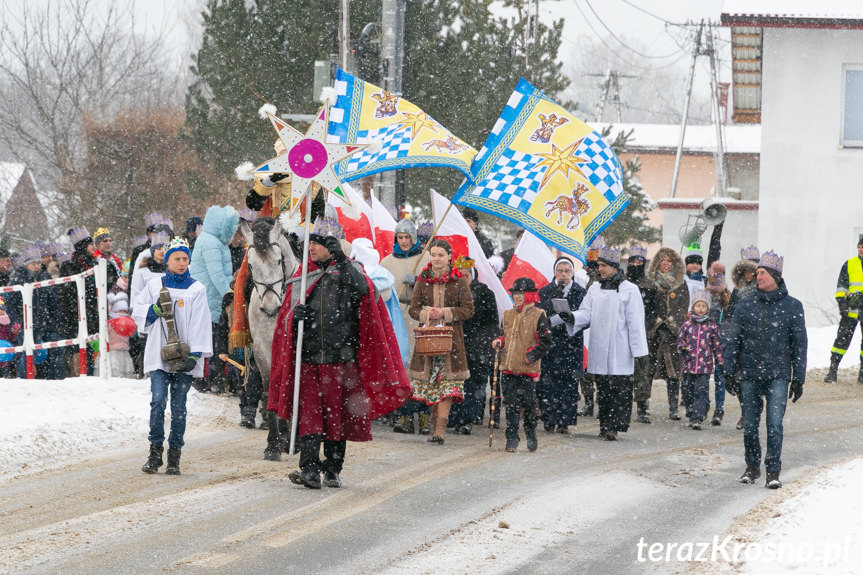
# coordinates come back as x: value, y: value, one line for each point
x: 308, y: 158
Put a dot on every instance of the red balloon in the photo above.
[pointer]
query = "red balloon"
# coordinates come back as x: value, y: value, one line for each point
x: 123, y: 325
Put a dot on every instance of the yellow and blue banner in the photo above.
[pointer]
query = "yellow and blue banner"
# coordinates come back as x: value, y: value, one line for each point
x: 407, y: 136
x: 547, y: 171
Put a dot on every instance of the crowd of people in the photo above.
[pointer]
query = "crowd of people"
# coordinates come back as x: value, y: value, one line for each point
x: 639, y: 321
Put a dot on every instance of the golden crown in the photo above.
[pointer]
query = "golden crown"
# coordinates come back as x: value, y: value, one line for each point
x: 463, y: 263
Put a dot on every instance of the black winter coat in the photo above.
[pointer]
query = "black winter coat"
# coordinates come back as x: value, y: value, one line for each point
x: 333, y: 336
x: 67, y: 317
x: 566, y: 357
x: 766, y: 338
x: 482, y: 328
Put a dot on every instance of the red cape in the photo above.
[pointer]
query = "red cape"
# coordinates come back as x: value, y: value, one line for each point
x: 385, y: 382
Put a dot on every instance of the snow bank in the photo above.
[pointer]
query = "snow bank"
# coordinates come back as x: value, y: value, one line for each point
x: 42, y: 422
x: 818, y: 531
x: 821, y: 342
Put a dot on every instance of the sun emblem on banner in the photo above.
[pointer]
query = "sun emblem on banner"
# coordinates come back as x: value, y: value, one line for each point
x: 308, y: 158
x: 561, y: 160
x: 418, y: 122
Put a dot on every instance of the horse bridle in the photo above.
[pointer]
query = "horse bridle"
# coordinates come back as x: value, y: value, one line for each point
x: 268, y: 287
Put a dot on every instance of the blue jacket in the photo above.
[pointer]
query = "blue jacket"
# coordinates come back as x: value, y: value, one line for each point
x: 211, y: 260
x: 766, y: 338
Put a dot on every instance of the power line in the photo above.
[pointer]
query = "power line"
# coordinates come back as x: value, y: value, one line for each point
x: 621, y: 42
x: 651, y: 14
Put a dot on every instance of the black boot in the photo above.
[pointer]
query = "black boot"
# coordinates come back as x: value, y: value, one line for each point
x: 773, y: 480
x: 154, y: 462
x: 832, y: 375
x: 642, y: 411
x: 173, y: 467
x: 530, y: 434
x: 587, y: 410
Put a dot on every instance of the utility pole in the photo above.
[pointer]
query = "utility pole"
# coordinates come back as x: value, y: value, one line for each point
x: 719, y: 156
x: 345, y: 35
x: 392, y: 62
x: 610, y: 91
x: 695, y: 50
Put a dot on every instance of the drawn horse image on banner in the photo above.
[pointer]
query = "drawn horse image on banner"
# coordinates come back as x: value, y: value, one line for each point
x: 573, y: 206
x: 449, y: 146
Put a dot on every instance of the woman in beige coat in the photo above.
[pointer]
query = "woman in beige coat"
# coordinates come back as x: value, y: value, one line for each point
x: 441, y: 296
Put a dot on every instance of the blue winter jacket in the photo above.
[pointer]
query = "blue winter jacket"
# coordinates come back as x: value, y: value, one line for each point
x: 211, y: 260
x: 766, y: 338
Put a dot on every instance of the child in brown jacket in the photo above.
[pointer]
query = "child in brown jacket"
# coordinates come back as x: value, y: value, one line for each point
x: 526, y: 339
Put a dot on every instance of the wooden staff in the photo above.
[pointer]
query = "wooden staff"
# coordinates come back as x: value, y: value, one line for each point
x: 425, y: 249
x: 493, y: 391
x: 224, y: 357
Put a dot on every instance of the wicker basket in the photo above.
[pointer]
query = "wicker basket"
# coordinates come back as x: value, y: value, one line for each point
x: 433, y: 340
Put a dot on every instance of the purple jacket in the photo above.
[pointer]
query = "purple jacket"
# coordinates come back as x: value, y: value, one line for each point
x: 702, y: 341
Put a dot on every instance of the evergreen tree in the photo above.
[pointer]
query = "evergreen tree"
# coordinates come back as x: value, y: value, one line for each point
x: 631, y: 225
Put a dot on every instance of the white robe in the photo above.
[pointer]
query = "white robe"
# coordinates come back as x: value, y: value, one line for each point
x: 192, y: 318
x: 617, y: 335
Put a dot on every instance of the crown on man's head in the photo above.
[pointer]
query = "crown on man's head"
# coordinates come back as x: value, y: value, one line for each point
x: 638, y: 252
x: 597, y: 243
x: 771, y: 260
x: 78, y: 234
x: 248, y: 215
x: 463, y: 263
x: 750, y: 253
x: 609, y: 254
x: 178, y: 243
x: 152, y: 219
x: 328, y: 227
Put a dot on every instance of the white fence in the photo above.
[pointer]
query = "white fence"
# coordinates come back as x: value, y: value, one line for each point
x: 29, y: 346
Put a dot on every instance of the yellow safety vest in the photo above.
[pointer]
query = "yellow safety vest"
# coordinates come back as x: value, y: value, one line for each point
x: 855, y: 280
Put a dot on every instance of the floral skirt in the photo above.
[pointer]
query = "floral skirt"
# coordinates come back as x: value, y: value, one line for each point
x: 438, y: 387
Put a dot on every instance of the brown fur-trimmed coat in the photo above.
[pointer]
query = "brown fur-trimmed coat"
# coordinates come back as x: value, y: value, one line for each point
x: 672, y: 306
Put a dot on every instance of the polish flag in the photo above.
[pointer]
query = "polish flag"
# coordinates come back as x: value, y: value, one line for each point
x: 357, y: 219
x: 384, y: 228
x: 455, y: 230
x: 532, y: 259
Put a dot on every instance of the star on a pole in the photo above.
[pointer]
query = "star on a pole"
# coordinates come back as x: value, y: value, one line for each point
x: 308, y: 158
x: 561, y: 160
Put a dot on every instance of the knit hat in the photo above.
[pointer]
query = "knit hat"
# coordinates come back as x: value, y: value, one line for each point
x: 860, y: 240
x: 178, y: 245
x: 407, y: 227
x: 523, y: 285
x: 751, y: 253
x: 31, y: 254
x: 4, y: 253
x: 701, y: 295
x: 194, y: 222
x: 694, y: 256
x: 471, y: 214
x: 101, y: 235
x: 609, y: 256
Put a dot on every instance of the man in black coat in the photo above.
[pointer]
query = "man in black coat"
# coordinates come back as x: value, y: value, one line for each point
x: 765, y: 361
x: 635, y: 268
x: 471, y: 216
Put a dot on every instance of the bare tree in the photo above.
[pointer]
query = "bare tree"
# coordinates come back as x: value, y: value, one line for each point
x: 66, y: 60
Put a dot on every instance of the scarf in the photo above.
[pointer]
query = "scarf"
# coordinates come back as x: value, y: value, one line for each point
x: 699, y: 318
x: 177, y: 281
x: 427, y: 276
x: 400, y: 253
x: 530, y: 297
x: 666, y: 280
x: 613, y: 282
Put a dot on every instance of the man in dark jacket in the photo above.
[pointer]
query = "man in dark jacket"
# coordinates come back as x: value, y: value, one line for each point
x: 635, y: 273
x: 471, y: 216
x: 765, y: 349
x: 82, y: 260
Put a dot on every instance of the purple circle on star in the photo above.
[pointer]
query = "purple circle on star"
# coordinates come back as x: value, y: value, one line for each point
x: 307, y: 158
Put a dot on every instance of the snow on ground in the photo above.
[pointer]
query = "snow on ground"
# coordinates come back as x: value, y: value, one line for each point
x: 46, y: 422
x: 818, y: 531
x: 821, y: 342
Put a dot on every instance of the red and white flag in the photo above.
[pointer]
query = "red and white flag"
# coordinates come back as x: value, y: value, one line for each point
x: 532, y: 259
x: 454, y: 229
x: 361, y: 220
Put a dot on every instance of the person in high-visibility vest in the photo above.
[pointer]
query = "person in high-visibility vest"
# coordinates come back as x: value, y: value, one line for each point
x: 849, y: 295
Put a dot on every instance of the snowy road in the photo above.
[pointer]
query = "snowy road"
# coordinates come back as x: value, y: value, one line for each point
x: 579, y: 504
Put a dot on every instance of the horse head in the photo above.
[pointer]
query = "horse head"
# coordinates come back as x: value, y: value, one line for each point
x: 271, y: 262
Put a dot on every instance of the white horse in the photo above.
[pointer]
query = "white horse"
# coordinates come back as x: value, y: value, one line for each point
x: 271, y: 264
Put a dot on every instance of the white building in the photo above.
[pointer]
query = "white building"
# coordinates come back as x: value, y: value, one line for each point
x: 799, y: 68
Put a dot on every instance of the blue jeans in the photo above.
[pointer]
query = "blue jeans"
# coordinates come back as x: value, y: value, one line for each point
x: 753, y: 394
x: 178, y: 384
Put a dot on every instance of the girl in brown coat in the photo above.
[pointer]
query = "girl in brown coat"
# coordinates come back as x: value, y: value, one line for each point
x: 666, y: 274
x: 441, y: 296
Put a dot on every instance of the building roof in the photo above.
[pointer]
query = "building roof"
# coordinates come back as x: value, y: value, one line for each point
x: 793, y: 13
x: 10, y: 175
x: 739, y: 139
